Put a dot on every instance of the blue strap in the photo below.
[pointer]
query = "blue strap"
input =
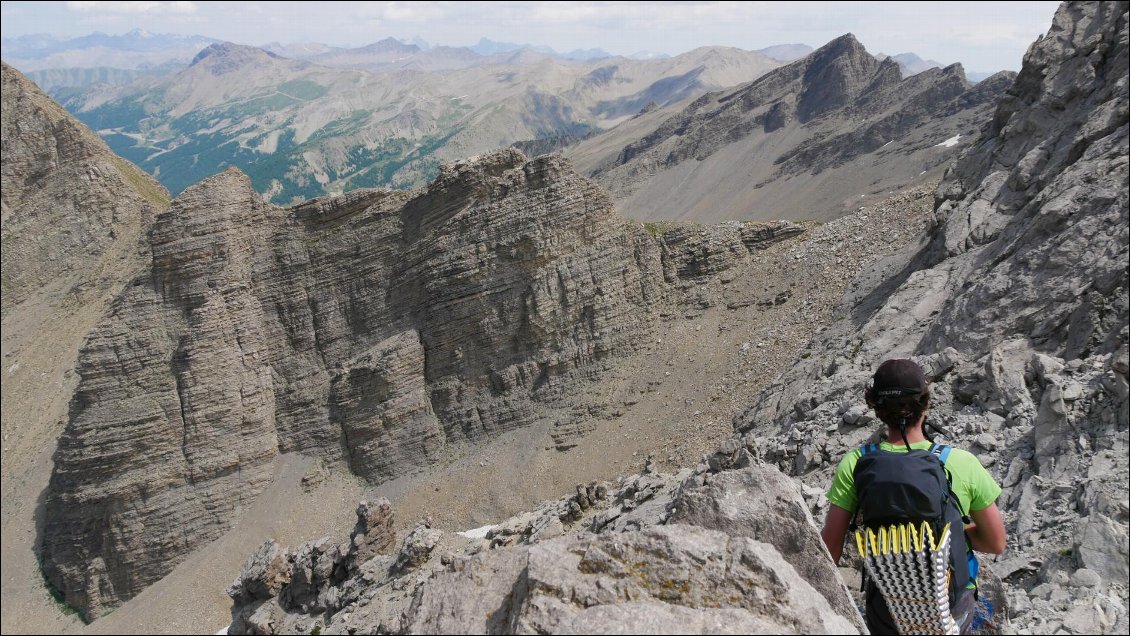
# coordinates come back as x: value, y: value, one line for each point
x: 944, y: 454
x: 868, y: 448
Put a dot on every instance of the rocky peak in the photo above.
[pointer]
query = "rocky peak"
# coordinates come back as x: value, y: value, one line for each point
x: 29, y: 158
x: 835, y: 75
x: 813, y: 117
x: 44, y: 148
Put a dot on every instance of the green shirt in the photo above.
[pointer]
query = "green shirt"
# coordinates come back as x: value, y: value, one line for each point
x: 974, y: 486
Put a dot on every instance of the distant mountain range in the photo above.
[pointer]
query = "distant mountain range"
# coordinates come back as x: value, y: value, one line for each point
x: 135, y: 50
x: 301, y: 129
x: 309, y: 119
x: 143, y: 50
x: 786, y: 52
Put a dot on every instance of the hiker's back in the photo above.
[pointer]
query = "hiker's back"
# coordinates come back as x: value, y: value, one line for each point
x: 912, y: 521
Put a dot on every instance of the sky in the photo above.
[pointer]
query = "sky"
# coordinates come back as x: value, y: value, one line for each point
x: 983, y: 36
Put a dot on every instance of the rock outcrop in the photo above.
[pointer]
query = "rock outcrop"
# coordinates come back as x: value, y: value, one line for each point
x: 803, y: 141
x: 1017, y: 306
x: 657, y: 553
x: 72, y: 209
x: 371, y: 330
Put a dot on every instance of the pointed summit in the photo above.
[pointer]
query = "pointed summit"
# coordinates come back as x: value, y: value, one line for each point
x: 836, y: 75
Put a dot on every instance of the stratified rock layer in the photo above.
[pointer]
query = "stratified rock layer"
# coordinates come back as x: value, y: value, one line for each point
x: 370, y: 329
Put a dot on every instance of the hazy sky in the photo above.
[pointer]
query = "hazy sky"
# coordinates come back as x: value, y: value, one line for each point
x: 984, y: 36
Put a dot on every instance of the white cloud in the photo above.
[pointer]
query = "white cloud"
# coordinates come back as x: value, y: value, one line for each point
x: 142, y: 7
x: 404, y: 11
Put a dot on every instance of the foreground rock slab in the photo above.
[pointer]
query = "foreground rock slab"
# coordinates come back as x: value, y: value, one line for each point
x: 616, y: 559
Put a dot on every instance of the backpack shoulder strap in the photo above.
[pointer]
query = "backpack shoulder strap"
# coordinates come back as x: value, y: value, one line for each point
x: 863, y: 450
x: 942, y: 451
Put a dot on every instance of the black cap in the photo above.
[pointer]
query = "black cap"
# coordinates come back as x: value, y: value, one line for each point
x: 898, y: 378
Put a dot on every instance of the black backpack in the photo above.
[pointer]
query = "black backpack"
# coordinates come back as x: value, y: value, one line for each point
x: 896, y: 487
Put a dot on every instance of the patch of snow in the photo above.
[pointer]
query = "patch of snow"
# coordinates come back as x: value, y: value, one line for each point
x: 477, y: 533
x: 921, y: 173
x: 12, y: 369
x: 224, y: 630
x: 887, y: 144
x: 949, y: 143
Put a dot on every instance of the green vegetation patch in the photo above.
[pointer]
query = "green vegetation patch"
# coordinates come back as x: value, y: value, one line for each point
x: 342, y: 125
x: 123, y: 113
x: 142, y: 183
x: 657, y: 228
x: 303, y: 89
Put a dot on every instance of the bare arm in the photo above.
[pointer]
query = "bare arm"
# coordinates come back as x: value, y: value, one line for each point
x: 986, y: 533
x: 835, y: 529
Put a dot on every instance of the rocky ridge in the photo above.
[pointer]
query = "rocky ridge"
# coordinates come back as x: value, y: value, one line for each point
x: 1017, y: 306
x: 812, y: 137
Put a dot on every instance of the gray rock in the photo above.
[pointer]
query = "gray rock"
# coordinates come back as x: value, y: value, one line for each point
x: 1102, y: 547
x: 678, y: 565
x: 854, y: 414
x: 416, y: 547
x: 258, y: 330
x: 987, y: 441
x: 373, y: 534
x: 1086, y: 578
x: 761, y: 503
x: 480, y: 597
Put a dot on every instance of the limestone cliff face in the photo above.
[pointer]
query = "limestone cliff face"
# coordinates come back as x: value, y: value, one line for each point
x: 370, y: 329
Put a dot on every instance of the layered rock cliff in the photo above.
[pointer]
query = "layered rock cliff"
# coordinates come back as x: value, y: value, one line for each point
x: 371, y: 329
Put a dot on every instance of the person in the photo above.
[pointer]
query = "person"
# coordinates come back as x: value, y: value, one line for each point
x: 900, y: 396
